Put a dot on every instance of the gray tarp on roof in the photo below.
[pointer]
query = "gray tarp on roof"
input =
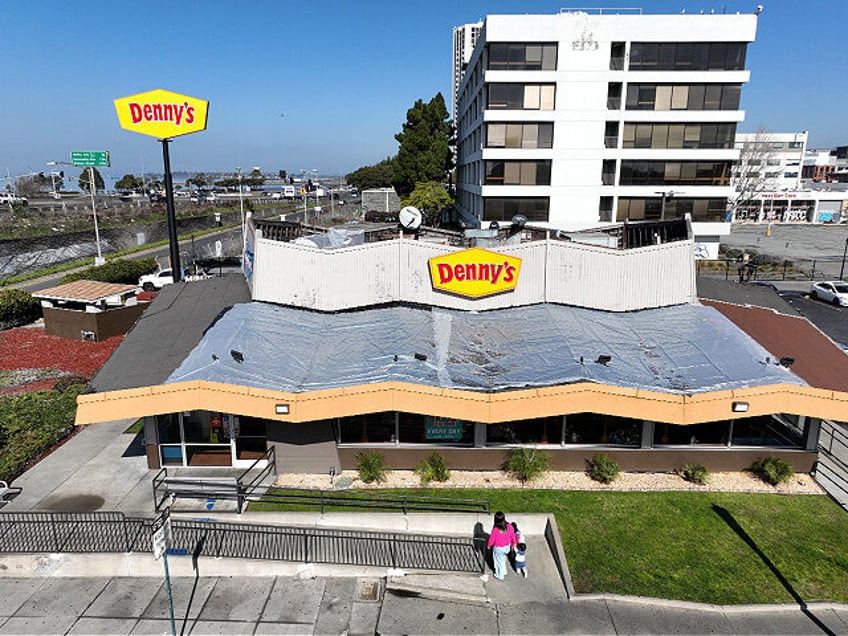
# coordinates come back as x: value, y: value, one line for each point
x: 684, y: 349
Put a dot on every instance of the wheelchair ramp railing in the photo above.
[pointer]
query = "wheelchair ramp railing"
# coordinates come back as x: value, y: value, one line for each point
x: 54, y: 532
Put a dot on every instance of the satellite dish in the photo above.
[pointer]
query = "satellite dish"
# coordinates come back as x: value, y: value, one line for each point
x: 410, y: 218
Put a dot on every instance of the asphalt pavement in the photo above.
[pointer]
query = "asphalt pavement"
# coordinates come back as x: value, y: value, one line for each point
x: 104, y: 468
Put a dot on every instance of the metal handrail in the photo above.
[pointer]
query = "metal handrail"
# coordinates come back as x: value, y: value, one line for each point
x: 406, y: 503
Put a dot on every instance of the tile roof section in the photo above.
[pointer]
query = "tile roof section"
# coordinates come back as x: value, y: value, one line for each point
x: 84, y: 290
x: 818, y: 360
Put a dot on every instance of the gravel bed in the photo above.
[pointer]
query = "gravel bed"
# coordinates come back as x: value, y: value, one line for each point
x: 801, y: 483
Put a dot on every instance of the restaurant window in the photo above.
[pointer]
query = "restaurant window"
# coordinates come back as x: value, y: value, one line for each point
x: 369, y: 428
x: 430, y: 429
x: 708, y: 434
x: 544, y: 430
x: 765, y: 431
x: 592, y: 428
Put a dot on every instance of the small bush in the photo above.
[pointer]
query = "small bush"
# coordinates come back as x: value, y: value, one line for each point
x: 528, y: 463
x: 772, y: 470
x: 433, y: 468
x: 124, y: 271
x: 372, y: 467
x: 603, y: 469
x: 18, y: 307
x: 696, y: 473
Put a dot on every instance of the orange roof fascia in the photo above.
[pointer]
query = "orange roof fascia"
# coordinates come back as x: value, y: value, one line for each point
x: 467, y: 405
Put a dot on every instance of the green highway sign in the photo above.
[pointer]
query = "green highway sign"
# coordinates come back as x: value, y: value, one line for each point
x: 86, y: 158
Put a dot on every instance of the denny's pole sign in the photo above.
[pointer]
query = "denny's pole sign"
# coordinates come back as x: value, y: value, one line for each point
x: 163, y: 114
x: 474, y: 273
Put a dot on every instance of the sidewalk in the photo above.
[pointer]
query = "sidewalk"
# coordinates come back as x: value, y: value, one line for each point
x: 103, y: 468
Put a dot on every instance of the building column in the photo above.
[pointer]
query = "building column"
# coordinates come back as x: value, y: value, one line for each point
x: 479, y: 434
x: 647, y: 434
x: 812, y: 430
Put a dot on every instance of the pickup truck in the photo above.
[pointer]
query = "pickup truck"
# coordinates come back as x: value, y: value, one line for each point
x: 157, y: 280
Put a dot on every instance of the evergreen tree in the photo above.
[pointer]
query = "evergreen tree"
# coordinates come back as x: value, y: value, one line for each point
x: 424, y: 153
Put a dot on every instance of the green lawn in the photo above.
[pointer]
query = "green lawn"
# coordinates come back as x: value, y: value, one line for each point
x: 723, y: 548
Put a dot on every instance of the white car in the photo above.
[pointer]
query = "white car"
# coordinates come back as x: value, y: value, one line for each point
x: 157, y: 280
x: 830, y: 291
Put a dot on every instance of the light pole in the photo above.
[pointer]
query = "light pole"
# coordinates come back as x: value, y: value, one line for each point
x: 844, y: 254
x: 666, y: 194
x: 241, y: 206
x: 99, y: 260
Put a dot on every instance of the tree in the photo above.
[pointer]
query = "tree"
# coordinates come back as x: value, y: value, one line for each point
x: 129, y: 183
x: 430, y: 198
x: 85, y: 180
x: 749, y: 173
x: 198, y: 181
x: 30, y: 186
x: 377, y: 176
x: 283, y: 175
x: 424, y: 153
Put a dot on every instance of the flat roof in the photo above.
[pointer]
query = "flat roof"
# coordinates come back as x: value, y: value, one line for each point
x: 167, y: 331
x: 684, y: 350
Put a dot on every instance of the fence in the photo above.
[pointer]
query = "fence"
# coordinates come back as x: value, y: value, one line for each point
x: 56, y: 532
x: 831, y: 470
x: 797, y: 269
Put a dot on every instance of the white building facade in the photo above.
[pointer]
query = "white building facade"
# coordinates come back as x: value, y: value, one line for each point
x: 576, y: 120
x: 776, y: 159
x: 464, y: 39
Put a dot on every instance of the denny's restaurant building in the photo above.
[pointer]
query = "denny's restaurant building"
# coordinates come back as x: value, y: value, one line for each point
x: 325, y: 353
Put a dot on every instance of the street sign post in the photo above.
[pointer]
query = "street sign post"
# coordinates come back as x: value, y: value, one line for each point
x: 161, y: 540
x: 90, y: 158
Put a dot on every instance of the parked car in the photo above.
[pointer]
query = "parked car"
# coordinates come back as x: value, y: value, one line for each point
x: 157, y: 280
x: 830, y: 291
x: 13, y: 199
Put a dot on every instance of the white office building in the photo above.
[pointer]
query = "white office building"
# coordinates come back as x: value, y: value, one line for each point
x: 464, y: 39
x: 774, y: 160
x: 577, y: 119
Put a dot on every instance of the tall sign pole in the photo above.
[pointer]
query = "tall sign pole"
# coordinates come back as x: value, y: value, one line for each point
x: 164, y: 115
x: 91, y: 159
x: 172, y: 216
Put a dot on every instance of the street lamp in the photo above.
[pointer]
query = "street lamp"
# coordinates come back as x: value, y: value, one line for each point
x: 844, y: 253
x: 666, y: 194
x: 99, y: 260
x: 241, y: 206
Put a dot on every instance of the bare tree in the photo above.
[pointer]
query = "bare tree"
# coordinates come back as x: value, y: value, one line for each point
x: 749, y: 172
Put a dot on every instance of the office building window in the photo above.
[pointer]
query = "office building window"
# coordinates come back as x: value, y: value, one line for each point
x: 614, y: 96
x: 661, y: 135
x: 675, y: 172
x: 683, y: 96
x: 611, y: 134
x: 608, y: 172
x: 605, y: 209
x: 519, y: 135
x: 504, y: 208
x: 534, y: 56
x: 521, y: 96
x: 499, y: 172
x: 702, y: 210
x: 616, y: 56
x: 687, y: 56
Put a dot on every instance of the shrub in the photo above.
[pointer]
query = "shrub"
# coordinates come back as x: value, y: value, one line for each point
x: 602, y: 468
x: 124, y: 271
x: 433, y: 468
x: 772, y: 470
x: 528, y: 463
x: 372, y: 467
x: 18, y: 307
x: 696, y: 473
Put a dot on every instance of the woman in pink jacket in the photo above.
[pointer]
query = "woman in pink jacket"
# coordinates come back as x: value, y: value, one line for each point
x: 501, y: 541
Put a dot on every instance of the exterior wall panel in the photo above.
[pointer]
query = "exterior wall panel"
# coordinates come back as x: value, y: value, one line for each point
x: 397, y: 271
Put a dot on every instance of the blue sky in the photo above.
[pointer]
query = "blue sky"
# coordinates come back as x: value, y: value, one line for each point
x: 324, y: 84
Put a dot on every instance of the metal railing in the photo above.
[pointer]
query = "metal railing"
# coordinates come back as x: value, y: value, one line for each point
x: 797, y: 269
x: 165, y: 486
x: 323, y: 499
x: 831, y: 469
x: 54, y: 532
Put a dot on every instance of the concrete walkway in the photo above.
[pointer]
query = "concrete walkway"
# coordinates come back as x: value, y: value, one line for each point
x: 103, y: 468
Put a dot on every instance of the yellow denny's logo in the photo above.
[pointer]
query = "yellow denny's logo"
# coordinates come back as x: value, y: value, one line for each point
x: 474, y: 273
x: 162, y: 114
